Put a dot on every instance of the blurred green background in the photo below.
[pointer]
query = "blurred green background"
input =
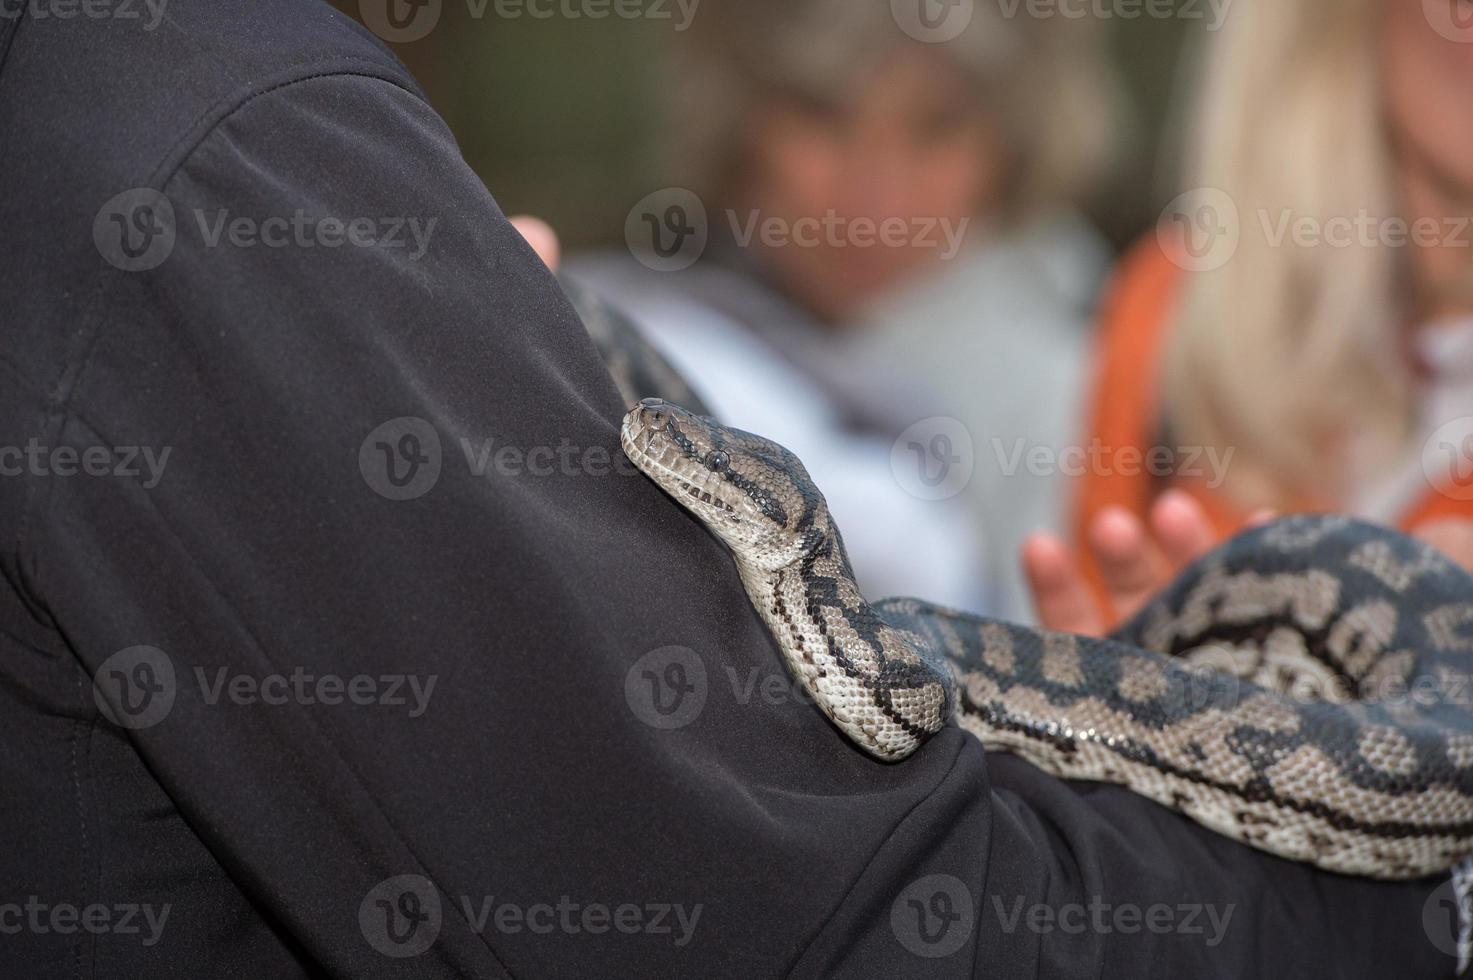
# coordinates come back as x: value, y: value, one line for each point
x: 561, y: 117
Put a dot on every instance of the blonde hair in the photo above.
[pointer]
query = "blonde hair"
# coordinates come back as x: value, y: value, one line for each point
x: 1285, y: 351
x: 1045, y: 82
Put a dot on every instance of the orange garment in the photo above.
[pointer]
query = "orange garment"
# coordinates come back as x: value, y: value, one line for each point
x: 1124, y: 409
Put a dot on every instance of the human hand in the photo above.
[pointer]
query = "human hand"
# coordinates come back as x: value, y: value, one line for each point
x: 541, y: 237
x: 1136, y: 561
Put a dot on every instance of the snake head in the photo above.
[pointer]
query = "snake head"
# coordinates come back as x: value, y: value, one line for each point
x: 752, y: 493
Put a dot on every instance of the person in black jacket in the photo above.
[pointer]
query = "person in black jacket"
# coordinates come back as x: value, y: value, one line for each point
x: 335, y: 640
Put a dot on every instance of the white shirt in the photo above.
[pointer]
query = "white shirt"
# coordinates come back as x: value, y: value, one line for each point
x: 898, y: 544
x: 1444, y: 419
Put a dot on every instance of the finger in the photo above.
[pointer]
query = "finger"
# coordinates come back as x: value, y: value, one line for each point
x: 1181, y: 528
x: 1130, y: 563
x: 541, y: 237
x: 1061, y: 596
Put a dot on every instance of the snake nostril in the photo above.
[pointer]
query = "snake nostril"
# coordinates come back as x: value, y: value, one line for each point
x: 658, y: 413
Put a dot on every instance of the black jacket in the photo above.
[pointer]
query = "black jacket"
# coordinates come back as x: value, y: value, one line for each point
x: 609, y: 776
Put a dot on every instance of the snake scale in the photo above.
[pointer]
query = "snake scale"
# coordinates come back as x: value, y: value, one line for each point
x: 1303, y: 689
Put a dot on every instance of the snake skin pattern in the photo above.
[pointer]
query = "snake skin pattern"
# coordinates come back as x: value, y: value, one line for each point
x: 637, y: 368
x: 1304, y: 689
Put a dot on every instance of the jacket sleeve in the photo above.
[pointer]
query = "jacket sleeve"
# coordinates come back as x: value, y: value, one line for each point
x: 447, y: 690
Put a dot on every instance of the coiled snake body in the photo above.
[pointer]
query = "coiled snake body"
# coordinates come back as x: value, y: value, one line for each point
x: 1304, y: 689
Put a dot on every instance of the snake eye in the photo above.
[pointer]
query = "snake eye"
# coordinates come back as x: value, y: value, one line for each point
x: 719, y: 461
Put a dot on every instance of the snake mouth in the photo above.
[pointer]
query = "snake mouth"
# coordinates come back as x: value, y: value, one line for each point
x: 706, y: 497
x: 675, y: 482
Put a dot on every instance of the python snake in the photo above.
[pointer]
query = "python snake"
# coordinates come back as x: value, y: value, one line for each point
x: 1304, y: 689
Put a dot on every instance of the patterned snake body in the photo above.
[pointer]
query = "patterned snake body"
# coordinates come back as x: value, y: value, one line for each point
x: 1304, y: 689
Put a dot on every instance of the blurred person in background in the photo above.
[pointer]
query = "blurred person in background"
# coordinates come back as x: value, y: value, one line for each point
x: 823, y: 120
x: 1311, y: 314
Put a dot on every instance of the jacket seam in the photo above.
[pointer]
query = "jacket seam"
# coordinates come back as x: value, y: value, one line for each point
x: 55, y: 409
